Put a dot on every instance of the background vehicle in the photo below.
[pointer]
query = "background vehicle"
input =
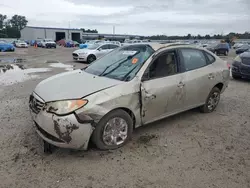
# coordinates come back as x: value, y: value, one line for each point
x: 127, y: 88
x: 5, y: 46
x: 39, y: 42
x: 221, y: 48
x: 242, y: 49
x: 241, y: 66
x: 48, y: 43
x: 20, y: 44
x: 92, y: 52
x: 237, y: 45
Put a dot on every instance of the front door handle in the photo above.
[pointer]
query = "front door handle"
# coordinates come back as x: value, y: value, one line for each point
x: 181, y: 85
x: 210, y: 76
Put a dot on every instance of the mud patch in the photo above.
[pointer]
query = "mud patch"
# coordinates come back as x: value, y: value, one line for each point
x: 14, y: 73
x: 145, y: 139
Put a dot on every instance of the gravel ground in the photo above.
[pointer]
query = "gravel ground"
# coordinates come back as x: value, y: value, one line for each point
x: 188, y: 150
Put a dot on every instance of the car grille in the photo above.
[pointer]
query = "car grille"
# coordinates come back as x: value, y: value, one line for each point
x: 35, y: 104
x: 75, y: 55
x: 246, y: 61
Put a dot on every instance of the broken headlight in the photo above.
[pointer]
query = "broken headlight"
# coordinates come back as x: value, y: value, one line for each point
x: 65, y: 107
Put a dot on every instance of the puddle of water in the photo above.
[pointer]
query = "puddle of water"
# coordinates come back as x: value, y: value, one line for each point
x: 12, y: 60
x: 11, y: 74
x: 61, y: 65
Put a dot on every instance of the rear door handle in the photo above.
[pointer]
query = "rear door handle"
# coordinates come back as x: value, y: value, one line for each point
x: 181, y: 85
x: 210, y: 76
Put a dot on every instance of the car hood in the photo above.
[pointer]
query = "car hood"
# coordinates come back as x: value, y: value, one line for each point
x: 82, y: 51
x: 72, y: 85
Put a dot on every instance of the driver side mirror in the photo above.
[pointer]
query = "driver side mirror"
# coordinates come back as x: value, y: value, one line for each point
x: 99, y: 49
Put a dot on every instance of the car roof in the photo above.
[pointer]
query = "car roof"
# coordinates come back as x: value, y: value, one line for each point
x: 159, y: 46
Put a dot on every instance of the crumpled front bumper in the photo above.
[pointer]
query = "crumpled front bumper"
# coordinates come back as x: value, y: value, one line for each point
x: 62, y: 131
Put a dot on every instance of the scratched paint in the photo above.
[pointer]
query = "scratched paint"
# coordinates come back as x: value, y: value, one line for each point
x: 64, y: 128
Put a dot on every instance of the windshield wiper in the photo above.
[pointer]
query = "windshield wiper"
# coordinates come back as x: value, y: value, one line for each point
x: 129, y: 57
x: 126, y: 75
x: 101, y: 74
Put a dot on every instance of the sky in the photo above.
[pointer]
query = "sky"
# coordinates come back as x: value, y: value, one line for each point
x: 140, y: 17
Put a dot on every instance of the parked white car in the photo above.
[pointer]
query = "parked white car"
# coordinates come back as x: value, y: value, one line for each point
x: 92, y: 52
x: 48, y: 43
x: 20, y: 44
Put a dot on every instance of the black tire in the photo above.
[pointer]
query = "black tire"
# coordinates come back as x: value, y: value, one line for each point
x: 91, y: 58
x: 236, y: 77
x: 226, y: 53
x: 98, y: 132
x: 205, y: 108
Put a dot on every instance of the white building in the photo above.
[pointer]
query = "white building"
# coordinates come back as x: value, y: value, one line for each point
x: 32, y: 33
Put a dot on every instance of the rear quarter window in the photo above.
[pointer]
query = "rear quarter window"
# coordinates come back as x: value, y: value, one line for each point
x: 210, y: 58
x: 193, y: 59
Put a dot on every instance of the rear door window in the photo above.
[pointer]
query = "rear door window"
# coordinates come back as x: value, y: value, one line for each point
x: 193, y: 59
x: 105, y: 47
x: 112, y: 46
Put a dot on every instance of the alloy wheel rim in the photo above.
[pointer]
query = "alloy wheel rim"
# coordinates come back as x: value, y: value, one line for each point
x: 115, y: 132
x: 213, y: 101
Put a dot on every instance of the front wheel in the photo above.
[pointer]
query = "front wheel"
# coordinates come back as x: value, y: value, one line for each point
x: 113, y: 130
x: 212, y: 101
x: 91, y: 58
x: 226, y: 53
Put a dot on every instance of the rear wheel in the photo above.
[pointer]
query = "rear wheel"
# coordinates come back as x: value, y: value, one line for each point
x: 226, y: 53
x: 113, y: 130
x: 212, y: 101
x: 91, y: 58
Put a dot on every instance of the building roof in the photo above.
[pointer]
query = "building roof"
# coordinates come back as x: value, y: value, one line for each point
x: 84, y: 33
x: 56, y: 28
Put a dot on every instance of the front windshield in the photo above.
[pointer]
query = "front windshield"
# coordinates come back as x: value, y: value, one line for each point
x: 122, y: 63
x: 93, y: 46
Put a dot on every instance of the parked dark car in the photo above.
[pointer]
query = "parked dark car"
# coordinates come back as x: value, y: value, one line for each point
x: 241, y: 66
x: 222, y: 48
x: 242, y: 49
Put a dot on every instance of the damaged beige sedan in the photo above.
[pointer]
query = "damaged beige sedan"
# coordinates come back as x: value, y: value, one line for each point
x: 127, y: 88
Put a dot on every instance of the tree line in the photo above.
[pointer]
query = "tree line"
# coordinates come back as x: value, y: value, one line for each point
x: 10, y: 28
x: 229, y: 36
